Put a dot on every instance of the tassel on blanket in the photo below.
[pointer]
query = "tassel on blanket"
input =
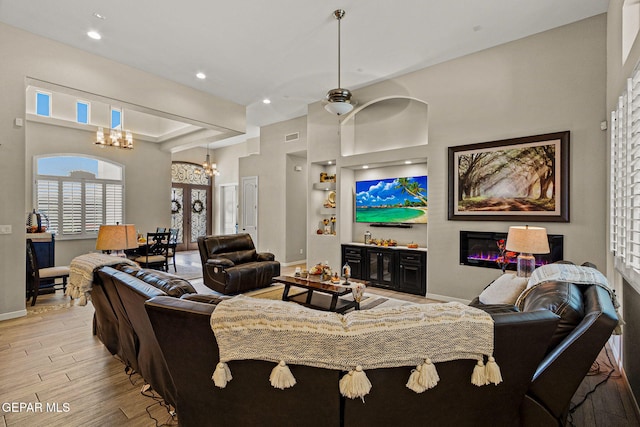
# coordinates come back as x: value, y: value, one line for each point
x: 355, y: 384
x: 281, y: 376
x: 424, y: 377
x: 492, y: 371
x: 222, y: 375
x: 479, y: 376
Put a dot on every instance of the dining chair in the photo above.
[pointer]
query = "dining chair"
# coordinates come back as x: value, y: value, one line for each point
x: 173, y: 242
x: 38, y: 275
x: 155, y: 254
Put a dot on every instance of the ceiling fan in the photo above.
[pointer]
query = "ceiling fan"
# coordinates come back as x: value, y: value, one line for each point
x: 338, y: 100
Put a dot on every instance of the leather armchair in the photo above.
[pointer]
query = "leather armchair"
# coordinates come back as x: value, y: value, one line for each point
x: 231, y: 265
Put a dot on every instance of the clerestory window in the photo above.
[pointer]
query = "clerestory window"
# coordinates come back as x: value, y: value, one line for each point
x: 78, y: 194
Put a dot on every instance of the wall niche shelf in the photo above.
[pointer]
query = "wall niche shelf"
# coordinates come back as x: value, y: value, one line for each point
x: 324, y: 186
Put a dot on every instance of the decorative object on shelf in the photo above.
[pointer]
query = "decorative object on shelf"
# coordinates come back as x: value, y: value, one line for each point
x: 482, y: 184
x: 116, y: 138
x: 316, y: 269
x: 197, y: 206
x: 333, y: 224
x: 384, y: 242
x: 367, y: 237
x: 324, y: 177
x: 412, y: 245
x: 357, y: 290
x: 37, y: 222
x: 319, y: 231
x: 175, y: 206
x: 339, y: 99
x: 117, y: 238
x: 528, y: 241
x: 330, y: 201
x: 346, y: 272
x: 327, y: 227
x: 505, y: 257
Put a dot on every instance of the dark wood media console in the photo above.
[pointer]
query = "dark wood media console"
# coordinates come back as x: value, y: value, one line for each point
x: 397, y: 268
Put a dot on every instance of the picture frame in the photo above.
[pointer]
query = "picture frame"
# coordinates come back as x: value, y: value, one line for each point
x: 519, y: 179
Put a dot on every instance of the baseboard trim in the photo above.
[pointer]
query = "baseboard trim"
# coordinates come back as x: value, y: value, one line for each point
x: 13, y: 314
x: 629, y: 391
x: 287, y: 264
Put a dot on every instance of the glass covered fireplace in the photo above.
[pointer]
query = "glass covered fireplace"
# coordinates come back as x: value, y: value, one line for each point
x: 480, y: 249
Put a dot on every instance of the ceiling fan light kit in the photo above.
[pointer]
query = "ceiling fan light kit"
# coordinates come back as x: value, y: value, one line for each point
x: 339, y: 99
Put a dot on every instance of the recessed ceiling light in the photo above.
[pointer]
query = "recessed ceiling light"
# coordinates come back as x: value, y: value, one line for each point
x: 201, y: 75
x: 266, y: 101
x: 407, y: 162
x: 99, y: 15
x: 365, y: 166
x: 94, y: 35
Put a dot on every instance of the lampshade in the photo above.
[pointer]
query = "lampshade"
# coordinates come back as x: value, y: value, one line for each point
x: 528, y: 240
x: 117, y: 237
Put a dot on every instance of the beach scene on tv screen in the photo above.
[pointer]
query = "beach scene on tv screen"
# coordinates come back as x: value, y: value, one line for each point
x: 392, y: 200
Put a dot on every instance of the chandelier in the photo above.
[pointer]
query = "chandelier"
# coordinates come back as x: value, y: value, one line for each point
x: 116, y: 137
x: 339, y: 99
x: 210, y: 169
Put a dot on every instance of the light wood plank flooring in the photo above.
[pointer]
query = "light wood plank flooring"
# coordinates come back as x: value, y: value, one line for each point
x: 51, y: 357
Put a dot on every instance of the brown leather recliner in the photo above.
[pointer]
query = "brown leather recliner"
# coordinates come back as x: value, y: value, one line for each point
x: 230, y: 264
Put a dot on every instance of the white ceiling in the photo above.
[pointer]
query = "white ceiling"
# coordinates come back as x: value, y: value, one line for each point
x: 286, y: 50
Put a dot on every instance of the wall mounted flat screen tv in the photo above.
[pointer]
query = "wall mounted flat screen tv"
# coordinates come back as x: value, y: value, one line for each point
x: 392, y: 200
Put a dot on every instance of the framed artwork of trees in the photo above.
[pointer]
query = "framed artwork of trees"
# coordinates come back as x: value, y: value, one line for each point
x: 521, y: 179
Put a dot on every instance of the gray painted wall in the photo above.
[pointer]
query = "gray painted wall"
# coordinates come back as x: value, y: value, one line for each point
x: 28, y: 56
x: 270, y: 168
x: 548, y: 82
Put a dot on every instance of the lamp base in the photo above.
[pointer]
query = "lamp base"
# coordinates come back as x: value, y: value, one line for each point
x: 526, y: 265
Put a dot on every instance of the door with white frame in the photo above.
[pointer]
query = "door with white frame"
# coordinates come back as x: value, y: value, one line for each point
x: 228, y: 208
x: 250, y: 207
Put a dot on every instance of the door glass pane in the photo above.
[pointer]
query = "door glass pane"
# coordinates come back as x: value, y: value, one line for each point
x: 177, y: 209
x: 198, y: 214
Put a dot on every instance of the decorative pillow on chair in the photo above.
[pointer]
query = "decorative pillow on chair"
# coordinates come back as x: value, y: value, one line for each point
x: 504, y: 290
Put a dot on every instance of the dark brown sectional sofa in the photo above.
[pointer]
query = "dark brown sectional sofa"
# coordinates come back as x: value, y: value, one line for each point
x: 169, y: 340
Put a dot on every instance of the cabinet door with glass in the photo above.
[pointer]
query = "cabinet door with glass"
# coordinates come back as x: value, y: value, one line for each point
x: 381, y: 263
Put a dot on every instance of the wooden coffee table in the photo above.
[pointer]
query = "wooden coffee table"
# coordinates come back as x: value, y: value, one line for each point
x: 315, y: 288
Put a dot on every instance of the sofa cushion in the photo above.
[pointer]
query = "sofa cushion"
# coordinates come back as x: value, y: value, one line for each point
x: 504, y: 290
x: 240, y: 257
x: 171, y: 284
x: 564, y: 299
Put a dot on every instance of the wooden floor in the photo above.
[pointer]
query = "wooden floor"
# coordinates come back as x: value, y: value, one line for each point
x: 50, y: 357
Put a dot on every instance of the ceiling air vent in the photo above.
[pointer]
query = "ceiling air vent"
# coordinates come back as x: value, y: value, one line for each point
x: 292, y: 137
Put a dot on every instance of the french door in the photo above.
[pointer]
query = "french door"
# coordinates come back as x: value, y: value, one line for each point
x: 190, y: 204
x: 194, y: 218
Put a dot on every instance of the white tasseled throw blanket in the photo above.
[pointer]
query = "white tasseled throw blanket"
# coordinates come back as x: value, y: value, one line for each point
x: 81, y: 272
x: 285, y: 332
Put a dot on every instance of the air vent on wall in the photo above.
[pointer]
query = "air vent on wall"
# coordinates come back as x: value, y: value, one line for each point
x: 292, y: 137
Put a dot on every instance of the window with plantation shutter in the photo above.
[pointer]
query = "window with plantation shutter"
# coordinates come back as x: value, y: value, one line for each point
x: 78, y: 194
x: 624, y: 209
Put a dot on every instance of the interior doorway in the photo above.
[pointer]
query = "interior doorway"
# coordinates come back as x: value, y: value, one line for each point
x: 228, y: 209
x: 191, y: 205
x: 250, y: 207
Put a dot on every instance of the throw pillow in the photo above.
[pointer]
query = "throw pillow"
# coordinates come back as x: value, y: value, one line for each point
x: 504, y: 290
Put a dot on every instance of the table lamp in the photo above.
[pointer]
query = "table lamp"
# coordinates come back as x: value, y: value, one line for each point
x: 527, y: 241
x: 117, y: 238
